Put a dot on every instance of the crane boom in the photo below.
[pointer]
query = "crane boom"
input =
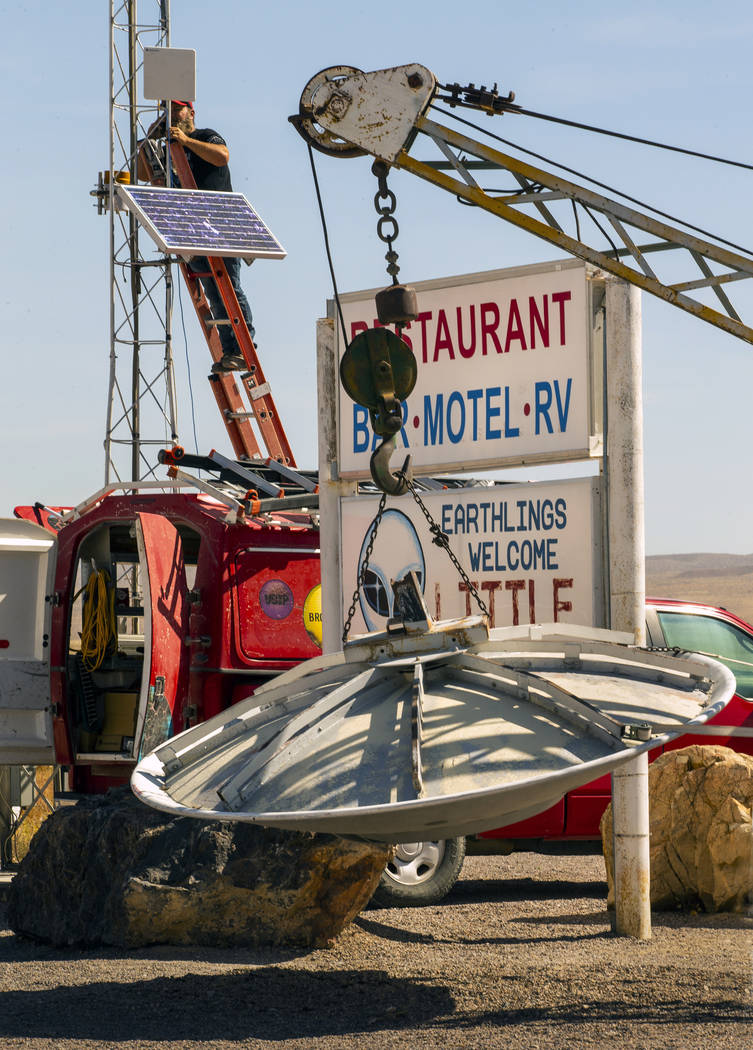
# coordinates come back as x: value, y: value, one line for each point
x: 385, y: 114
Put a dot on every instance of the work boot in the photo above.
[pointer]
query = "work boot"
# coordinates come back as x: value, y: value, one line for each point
x: 230, y: 363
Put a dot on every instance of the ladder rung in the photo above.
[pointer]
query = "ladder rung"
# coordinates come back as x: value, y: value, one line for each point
x: 255, y: 392
x: 243, y: 375
x: 211, y: 322
x: 239, y: 415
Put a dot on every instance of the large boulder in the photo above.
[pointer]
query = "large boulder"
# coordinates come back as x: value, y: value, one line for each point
x: 113, y: 871
x: 701, y: 846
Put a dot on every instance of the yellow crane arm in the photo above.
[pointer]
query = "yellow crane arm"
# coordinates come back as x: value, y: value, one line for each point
x: 345, y: 112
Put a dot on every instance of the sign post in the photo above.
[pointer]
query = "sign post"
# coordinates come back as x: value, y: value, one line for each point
x: 624, y: 455
x: 331, y: 488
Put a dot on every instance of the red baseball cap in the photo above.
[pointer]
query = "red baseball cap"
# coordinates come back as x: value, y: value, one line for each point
x: 179, y: 102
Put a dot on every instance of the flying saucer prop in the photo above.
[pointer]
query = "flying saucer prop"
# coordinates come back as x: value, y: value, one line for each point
x: 433, y: 730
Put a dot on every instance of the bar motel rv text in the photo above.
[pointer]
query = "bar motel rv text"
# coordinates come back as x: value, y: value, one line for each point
x: 476, y: 415
x: 481, y: 414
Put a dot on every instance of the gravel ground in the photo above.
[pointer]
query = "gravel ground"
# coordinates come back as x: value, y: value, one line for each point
x: 521, y: 953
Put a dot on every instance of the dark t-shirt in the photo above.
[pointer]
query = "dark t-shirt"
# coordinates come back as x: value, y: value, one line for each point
x: 208, y: 176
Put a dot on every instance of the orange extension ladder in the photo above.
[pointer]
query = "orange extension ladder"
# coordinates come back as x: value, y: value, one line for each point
x: 224, y: 387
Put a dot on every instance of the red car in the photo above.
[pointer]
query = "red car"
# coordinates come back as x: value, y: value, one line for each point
x: 424, y: 872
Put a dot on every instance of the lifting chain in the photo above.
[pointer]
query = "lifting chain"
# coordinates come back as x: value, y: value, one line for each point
x: 438, y: 537
x: 395, y: 305
x: 387, y: 227
x: 374, y: 528
x: 441, y: 540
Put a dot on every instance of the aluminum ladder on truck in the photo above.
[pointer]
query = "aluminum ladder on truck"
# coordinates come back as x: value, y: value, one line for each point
x: 224, y: 387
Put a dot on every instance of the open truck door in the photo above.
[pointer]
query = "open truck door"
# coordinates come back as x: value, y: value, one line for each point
x: 26, y: 558
x: 165, y: 595
x: 119, y: 667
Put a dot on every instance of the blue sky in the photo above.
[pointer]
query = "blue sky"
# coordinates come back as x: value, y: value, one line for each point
x: 671, y: 74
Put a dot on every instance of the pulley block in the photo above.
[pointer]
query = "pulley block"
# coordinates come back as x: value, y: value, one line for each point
x: 305, y: 121
x: 378, y: 370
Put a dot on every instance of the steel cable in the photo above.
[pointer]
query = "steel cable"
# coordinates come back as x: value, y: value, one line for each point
x: 596, y: 182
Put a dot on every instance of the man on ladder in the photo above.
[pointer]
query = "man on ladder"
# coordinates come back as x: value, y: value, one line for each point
x: 207, y: 155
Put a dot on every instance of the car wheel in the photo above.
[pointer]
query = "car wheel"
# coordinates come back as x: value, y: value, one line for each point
x: 420, y: 873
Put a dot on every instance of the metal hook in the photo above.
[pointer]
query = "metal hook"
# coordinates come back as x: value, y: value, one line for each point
x: 394, y: 484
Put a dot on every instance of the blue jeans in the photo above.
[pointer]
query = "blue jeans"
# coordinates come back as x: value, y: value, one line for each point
x: 200, y: 265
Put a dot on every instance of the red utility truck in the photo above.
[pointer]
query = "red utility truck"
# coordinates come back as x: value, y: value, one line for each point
x: 162, y: 609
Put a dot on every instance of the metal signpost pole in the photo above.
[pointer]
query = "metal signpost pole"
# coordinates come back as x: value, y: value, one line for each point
x: 624, y: 452
x: 331, y: 489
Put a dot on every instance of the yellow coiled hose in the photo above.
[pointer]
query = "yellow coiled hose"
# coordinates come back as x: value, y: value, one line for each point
x: 99, y: 630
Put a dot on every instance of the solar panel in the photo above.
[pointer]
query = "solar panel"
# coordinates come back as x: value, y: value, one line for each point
x: 201, y: 222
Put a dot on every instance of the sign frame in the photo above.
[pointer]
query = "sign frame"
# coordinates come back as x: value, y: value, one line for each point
x: 617, y: 412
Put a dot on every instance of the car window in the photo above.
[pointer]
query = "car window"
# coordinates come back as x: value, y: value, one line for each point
x: 706, y: 634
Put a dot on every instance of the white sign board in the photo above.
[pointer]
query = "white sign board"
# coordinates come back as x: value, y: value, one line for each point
x: 504, y: 372
x: 533, y: 551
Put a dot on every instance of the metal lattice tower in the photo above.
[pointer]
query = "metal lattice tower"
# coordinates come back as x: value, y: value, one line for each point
x: 141, y: 403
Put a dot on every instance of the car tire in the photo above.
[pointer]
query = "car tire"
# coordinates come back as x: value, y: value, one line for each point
x: 420, y: 873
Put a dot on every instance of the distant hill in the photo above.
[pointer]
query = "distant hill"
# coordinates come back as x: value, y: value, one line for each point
x: 716, y: 579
